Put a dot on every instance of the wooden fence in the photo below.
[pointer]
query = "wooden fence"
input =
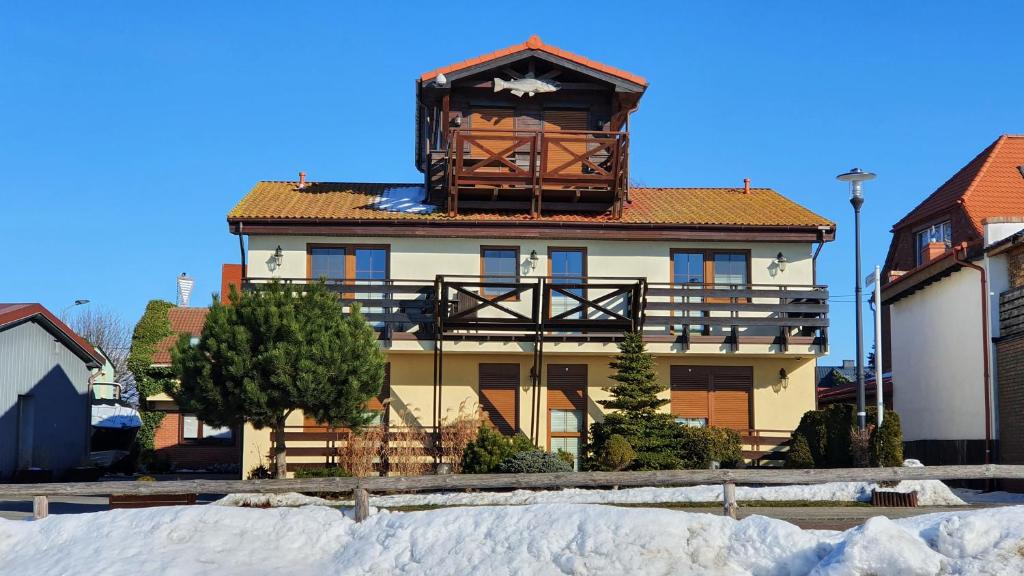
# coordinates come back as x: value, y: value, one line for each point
x: 360, y: 488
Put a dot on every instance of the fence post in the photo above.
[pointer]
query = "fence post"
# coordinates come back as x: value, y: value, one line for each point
x: 40, y: 507
x: 362, y: 503
x: 729, y: 499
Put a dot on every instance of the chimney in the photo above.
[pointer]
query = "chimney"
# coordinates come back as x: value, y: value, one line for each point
x: 933, y: 250
x: 849, y: 365
x: 746, y: 185
x: 302, y: 180
x: 185, y: 284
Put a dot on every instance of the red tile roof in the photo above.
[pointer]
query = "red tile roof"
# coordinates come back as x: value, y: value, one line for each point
x: 535, y: 43
x: 17, y: 313
x: 990, y: 185
x: 341, y: 201
x: 183, y: 321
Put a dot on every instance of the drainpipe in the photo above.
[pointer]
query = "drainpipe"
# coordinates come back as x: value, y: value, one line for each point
x: 984, y: 344
x: 241, y: 250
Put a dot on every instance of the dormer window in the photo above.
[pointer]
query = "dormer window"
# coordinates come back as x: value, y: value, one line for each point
x: 933, y: 241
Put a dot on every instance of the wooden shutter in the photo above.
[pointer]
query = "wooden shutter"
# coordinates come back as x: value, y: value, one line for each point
x: 499, y: 396
x: 567, y: 387
x: 556, y: 121
x: 491, y: 119
x: 733, y: 386
x: 691, y: 391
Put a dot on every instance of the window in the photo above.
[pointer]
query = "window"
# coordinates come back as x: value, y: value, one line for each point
x: 500, y: 264
x: 567, y: 404
x: 194, y: 430
x: 942, y: 232
x: 712, y: 396
x: 730, y: 270
x: 327, y: 262
x: 499, y: 396
x: 568, y: 266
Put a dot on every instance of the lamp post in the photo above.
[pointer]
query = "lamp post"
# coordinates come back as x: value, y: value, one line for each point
x: 63, y: 313
x: 855, y: 177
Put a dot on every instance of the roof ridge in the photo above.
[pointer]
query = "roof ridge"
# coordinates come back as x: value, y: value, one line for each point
x: 992, y: 150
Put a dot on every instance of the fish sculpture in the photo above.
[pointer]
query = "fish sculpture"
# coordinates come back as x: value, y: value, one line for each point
x: 527, y: 85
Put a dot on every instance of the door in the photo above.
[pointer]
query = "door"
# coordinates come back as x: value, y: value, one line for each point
x: 719, y: 396
x: 560, y: 151
x: 567, y: 408
x: 499, y: 396
x: 26, y: 430
x: 567, y: 266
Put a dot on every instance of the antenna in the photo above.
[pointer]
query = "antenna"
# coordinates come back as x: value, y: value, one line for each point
x: 185, y: 284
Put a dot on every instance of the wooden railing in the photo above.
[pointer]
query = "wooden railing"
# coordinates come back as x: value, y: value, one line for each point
x: 587, y: 308
x: 537, y: 160
x: 361, y: 487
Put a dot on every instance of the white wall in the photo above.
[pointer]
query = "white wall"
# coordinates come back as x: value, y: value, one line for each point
x: 423, y: 258
x: 937, y: 360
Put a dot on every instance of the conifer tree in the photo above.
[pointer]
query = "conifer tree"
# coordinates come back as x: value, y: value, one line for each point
x: 274, y: 350
x: 636, y: 417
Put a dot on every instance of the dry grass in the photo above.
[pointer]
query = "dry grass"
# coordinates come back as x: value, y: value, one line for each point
x: 456, y: 434
x: 363, y: 450
x: 407, y: 452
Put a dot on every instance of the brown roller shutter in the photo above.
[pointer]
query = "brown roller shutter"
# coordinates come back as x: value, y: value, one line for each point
x: 733, y: 387
x: 491, y: 119
x: 556, y: 121
x: 722, y: 394
x: 567, y: 387
x: 691, y: 391
x: 377, y: 402
x: 499, y: 396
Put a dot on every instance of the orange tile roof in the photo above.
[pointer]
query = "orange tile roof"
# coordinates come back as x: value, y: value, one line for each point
x: 990, y: 185
x: 535, y: 43
x: 183, y: 321
x: 339, y: 201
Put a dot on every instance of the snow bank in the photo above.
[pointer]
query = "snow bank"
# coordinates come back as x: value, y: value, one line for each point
x: 929, y: 492
x: 539, y: 539
x: 254, y: 500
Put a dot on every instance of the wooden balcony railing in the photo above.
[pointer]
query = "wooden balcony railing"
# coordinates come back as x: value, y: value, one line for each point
x: 536, y: 170
x: 585, y: 309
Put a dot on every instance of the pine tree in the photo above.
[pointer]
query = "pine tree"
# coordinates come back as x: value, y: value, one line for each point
x: 274, y: 350
x: 636, y: 414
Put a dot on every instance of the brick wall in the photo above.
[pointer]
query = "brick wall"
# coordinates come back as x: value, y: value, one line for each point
x: 1015, y: 266
x: 1010, y: 389
x: 167, y: 442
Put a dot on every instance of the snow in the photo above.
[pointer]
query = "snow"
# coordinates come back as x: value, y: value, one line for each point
x: 982, y: 497
x: 929, y: 492
x: 115, y: 416
x: 505, y: 540
x: 407, y: 199
x: 253, y: 500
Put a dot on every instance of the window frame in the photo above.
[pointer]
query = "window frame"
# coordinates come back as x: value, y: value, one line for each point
x: 200, y: 439
x: 927, y: 228
x: 708, y: 254
x: 483, y: 272
x: 583, y: 276
x: 350, y: 258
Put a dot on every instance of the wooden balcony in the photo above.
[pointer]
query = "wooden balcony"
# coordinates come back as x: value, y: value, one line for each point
x: 535, y: 171
x: 591, y: 309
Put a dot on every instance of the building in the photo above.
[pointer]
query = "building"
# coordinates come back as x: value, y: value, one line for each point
x: 1008, y: 255
x: 45, y: 379
x: 181, y: 440
x: 941, y: 305
x: 505, y: 277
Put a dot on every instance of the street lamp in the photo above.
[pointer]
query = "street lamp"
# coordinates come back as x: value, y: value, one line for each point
x: 855, y: 177
x: 63, y: 313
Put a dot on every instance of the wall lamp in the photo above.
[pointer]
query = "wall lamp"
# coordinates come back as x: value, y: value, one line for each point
x: 781, y: 261
x: 533, y: 260
x: 278, y: 256
x: 783, y: 381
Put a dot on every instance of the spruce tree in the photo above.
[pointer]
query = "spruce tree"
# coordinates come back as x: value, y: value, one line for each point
x: 636, y: 414
x: 274, y: 350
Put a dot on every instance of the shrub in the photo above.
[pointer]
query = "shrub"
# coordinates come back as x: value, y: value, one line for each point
x: 616, y: 454
x: 260, y: 472
x: 362, y: 450
x: 636, y: 412
x: 325, y: 472
x: 567, y: 457
x: 799, y: 455
x: 838, y: 419
x: 483, y: 455
x: 860, y: 446
x: 812, y: 428
x: 699, y: 447
x: 407, y: 453
x: 533, y: 462
x: 456, y: 436
x: 887, y: 441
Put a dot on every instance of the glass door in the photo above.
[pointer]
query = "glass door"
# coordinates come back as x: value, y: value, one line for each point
x: 568, y: 266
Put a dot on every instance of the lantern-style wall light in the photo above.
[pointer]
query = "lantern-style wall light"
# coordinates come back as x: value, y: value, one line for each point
x: 533, y: 259
x: 781, y: 261
x: 278, y: 256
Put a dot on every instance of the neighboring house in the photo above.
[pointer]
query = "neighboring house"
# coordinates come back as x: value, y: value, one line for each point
x: 45, y: 371
x: 941, y: 305
x: 505, y: 278
x: 838, y: 385
x: 181, y: 439
x: 1008, y: 255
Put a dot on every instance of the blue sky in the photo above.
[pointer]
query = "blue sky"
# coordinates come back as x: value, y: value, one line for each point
x: 128, y: 130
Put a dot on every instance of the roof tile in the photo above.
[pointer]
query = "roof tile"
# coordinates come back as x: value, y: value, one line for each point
x: 183, y: 321
x: 342, y: 201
